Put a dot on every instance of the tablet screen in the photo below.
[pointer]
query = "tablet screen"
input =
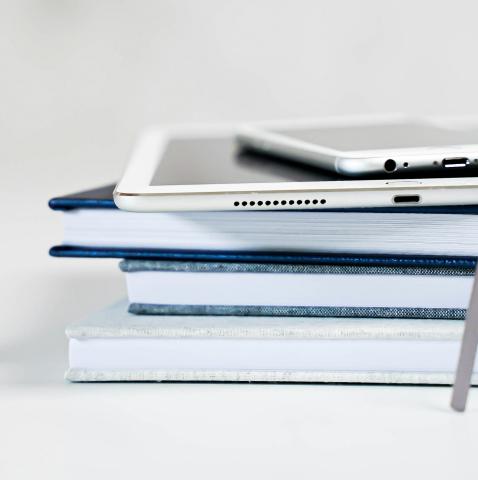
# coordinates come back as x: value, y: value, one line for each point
x: 219, y: 161
x: 207, y: 161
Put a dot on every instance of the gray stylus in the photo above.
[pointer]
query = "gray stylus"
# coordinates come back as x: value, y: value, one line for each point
x: 468, y: 352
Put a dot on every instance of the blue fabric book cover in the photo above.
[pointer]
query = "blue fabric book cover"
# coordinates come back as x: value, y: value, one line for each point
x: 101, y: 198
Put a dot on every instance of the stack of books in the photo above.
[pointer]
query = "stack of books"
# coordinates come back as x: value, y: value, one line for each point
x: 374, y: 296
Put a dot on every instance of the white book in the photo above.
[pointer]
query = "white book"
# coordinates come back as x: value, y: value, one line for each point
x: 113, y: 345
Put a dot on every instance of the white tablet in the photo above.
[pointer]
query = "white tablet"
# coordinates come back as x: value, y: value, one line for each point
x: 202, y: 168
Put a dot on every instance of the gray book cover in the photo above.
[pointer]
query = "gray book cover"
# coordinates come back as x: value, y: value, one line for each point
x: 372, y: 311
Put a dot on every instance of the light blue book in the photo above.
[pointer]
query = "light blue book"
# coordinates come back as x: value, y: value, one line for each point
x: 114, y: 345
x: 297, y: 290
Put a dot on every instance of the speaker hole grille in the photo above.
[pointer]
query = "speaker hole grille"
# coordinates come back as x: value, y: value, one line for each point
x: 267, y: 203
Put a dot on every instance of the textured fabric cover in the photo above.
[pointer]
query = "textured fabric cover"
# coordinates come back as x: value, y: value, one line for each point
x: 269, y: 257
x: 116, y: 322
x: 75, y: 375
x: 303, y: 311
x: 131, y: 266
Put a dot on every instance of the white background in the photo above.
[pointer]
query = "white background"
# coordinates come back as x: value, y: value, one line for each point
x: 78, y: 79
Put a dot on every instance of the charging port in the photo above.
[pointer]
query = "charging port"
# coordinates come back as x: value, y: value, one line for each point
x: 455, y: 162
x: 406, y: 199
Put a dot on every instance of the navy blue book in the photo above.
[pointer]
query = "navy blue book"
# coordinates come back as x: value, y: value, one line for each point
x: 396, y: 236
